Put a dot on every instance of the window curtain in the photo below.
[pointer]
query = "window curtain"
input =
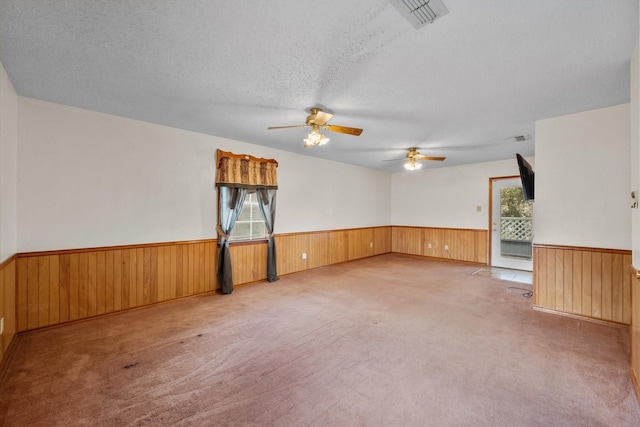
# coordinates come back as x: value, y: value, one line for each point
x: 236, y: 174
x: 231, y: 201
x: 267, y: 203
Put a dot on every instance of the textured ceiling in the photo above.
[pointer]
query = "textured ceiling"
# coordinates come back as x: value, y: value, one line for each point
x: 459, y: 87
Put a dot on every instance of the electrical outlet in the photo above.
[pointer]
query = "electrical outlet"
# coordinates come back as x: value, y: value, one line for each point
x: 478, y: 208
x: 304, y: 255
x: 1, y: 325
x: 371, y: 244
x: 446, y: 248
x: 429, y: 245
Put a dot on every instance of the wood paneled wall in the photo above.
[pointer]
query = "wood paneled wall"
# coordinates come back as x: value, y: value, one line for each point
x: 7, y: 303
x: 464, y: 244
x: 635, y: 332
x: 62, y: 286
x: 58, y: 287
x: 589, y: 282
x: 330, y: 247
x: 248, y: 262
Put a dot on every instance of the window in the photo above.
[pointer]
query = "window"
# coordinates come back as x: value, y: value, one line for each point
x: 250, y: 224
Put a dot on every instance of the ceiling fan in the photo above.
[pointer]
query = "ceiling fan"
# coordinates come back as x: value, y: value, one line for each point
x: 316, y: 120
x: 412, y: 156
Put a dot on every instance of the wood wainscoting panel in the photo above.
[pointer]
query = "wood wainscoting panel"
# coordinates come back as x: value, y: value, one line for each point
x: 589, y: 282
x: 434, y: 239
x: 290, y: 247
x: 249, y: 262
x: 463, y: 244
x: 8, y: 303
x: 381, y: 240
x: 62, y: 286
x: 329, y: 247
x: 318, y: 253
x: 356, y: 243
x: 634, y: 368
x: 338, y: 250
x: 407, y: 240
x: 359, y: 243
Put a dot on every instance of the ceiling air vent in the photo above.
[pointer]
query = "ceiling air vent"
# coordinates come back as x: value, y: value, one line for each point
x: 420, y: 12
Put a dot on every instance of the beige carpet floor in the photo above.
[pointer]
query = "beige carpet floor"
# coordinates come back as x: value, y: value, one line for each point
x: 391, y: 340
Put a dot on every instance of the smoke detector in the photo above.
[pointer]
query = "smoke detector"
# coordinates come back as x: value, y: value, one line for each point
x: 420, y: 12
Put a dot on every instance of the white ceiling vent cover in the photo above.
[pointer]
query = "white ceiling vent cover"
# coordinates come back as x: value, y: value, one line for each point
x: 420, y: 12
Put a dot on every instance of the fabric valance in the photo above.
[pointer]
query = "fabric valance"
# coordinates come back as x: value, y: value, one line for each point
x: 245, y: 171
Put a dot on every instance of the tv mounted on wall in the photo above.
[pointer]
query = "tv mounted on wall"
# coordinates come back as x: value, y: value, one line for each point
x: 527, y: 178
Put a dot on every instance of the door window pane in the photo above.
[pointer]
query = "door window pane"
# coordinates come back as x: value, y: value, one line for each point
x: 516, y: 224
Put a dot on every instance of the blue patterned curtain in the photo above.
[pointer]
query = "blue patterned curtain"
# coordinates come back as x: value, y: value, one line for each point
x: 231, y: 201
x: 267, y: 203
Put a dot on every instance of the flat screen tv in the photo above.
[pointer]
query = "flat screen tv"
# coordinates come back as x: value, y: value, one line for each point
x: 527, y: 178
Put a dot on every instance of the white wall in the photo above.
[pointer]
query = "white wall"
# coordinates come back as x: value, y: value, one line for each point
x: 448, y: 196
x: 582, y: 179
x: 8, y: 165
x: 635, y: 154
x: 89, y: 179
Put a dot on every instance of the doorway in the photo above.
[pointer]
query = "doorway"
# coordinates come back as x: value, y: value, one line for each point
x: 511, y: 225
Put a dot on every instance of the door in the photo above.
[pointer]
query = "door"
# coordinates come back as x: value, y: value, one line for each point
x: 511, y: 225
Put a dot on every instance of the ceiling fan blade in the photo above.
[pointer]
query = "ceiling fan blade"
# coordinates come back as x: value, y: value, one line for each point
x: 322, y: 118
x: 287, y: 127
x: 394, y: 160
x: 343, y: 129
x: 421, y: 157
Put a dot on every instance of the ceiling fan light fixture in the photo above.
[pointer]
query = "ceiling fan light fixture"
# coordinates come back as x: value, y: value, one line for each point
x: 412, y: 165
x: 316, y: 120
x: 315, y: 137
